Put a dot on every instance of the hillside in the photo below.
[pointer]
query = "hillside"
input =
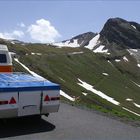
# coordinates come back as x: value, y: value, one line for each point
x: 102, y: 72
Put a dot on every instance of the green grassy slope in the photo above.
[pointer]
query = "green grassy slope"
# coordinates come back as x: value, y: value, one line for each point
x: 60, y: 66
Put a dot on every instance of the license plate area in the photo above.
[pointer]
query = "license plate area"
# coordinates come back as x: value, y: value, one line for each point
x: 29, y: 103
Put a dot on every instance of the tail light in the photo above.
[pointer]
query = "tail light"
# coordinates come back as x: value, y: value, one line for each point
x: 12, y: 101
x: 55, y: 98
x: 47, y: 98
x: 3, y: 102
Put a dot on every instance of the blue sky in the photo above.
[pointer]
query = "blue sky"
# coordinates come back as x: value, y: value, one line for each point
x: 55, y: 20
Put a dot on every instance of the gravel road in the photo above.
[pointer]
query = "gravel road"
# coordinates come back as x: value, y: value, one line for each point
x: 70, y: 123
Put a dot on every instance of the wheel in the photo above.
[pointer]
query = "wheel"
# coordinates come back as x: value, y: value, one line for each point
x: 47, y: 115
x: 36, y: 117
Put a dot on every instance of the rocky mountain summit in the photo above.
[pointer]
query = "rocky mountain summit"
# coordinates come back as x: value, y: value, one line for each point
x: 123, y: 33
x: 83, y: 39
x: 117, y: 34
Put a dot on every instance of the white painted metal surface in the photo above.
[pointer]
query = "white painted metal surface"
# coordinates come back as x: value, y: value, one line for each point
x: 52, y: 105
x: 4, y: 50
x: 3, y: 47
x: 8, y: 110
x: 29, y: 103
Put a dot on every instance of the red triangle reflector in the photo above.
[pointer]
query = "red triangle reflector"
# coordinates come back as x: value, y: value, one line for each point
x: 47, y: 98
x: 12, y: 101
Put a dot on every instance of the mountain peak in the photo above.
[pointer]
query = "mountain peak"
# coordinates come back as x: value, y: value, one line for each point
x: 83, y: 39
x: 122, y: 32
x: 87, y: 34
x: 116, y: 20
x: 77, y: 41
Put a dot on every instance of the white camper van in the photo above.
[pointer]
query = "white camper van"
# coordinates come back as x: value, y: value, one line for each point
x: 22, y: 94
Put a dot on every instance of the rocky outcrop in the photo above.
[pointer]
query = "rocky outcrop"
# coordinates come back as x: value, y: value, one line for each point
x: 121, y: 32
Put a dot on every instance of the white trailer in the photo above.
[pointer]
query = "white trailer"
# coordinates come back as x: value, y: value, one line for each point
x: 25, y: 95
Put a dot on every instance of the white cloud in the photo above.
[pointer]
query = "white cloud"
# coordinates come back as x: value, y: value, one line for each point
x: 43, y: 31
x: 22, y: 24
x: 17, y: 33
x: 12, y: 35
x: 40, y: 31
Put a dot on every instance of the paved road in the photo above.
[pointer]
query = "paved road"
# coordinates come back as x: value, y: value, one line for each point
x: 70, y: 123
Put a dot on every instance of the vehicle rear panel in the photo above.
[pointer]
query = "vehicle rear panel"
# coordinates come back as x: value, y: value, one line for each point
x: 7, y: 108
x: 24, y: 95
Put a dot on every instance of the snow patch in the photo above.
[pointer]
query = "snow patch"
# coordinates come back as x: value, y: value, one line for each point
x: 84, y: 93
x: 128, y: 99
x: 38, y: 53
x: 117, y: 60
x: 12, y: 42
x: 73, y: 53
x: 100, y: 49
x: 138, y: 65
x: 31, y: 72
x: 110, y: 63
x: 32, y: 53
x: 61, y: 79
x: 136, y: 84
x: 134, y: 26
x: 106, y: 74
x: 67, y: 44
x: 93, y: 42
x: 132, y: 51
x: 131, y: 100
x: 137, y: 105
x: 131, y: 111
x: 125, y: 59
x: 62, y: 93
x: 99, y: 93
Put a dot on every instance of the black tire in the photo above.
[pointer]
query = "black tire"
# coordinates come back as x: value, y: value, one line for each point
x: 36, y: 117
x: 47, y: 115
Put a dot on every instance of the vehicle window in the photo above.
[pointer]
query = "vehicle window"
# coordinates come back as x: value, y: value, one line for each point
x: 3, y: 58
